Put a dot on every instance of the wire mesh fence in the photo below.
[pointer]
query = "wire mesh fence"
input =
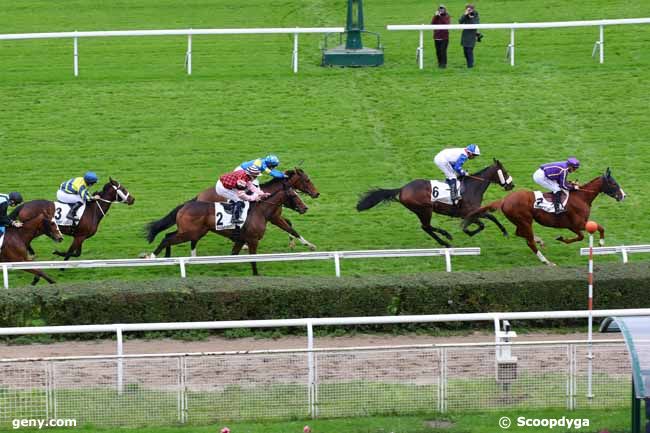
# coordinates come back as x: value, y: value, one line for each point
x: 207, y: 388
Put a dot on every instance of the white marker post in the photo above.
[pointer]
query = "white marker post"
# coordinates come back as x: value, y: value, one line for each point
x: 591, y: 227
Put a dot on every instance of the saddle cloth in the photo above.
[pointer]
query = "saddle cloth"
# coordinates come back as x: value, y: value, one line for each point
x: 223, y: 215
x: 2, y: 239
x: 544, y: 201
x: 440, y: 192
x: 61, y: 212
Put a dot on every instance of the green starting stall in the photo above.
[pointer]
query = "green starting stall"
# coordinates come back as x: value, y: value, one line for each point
x: 352, y: 52
x: 636, y: 331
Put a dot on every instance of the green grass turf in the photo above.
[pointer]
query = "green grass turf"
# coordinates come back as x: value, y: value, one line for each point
x: 613, y: 420
x: 135, y: 115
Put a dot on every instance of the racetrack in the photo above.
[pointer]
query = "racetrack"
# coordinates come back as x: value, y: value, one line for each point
x: 133, y: 114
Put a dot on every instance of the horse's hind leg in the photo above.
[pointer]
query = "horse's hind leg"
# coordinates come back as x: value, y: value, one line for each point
x: 525, y: 230
x: 572, y: 240
x: 497, y: 222
x: 424, y: 216
x: 193, y: 247
x: 38, y: 274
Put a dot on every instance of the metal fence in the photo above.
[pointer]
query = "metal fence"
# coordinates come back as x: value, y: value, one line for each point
x: 623, y: 250
x: 214, y: 387
x: 180, y: 32
x: 183, y: 262
x: 599, y: 45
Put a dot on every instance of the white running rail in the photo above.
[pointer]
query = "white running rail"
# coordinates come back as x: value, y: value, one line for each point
x: 599, y: 45
x: 180, y: 32
x: 211, y: 260
x: 623, y: 250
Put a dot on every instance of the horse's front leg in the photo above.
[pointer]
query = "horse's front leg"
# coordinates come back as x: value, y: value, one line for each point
x: 572, y: 240
x: 285, y: 224
x: 252, y: 249
x: 497, y: 222
x: 480, y: 227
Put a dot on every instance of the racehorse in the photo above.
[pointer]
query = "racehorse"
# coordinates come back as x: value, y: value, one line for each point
x: 16, y: 240
x: 518, y: 208
x: 196, y: 218
x: 112, y: 192
x: 296, y: 178
x: 416, y: 196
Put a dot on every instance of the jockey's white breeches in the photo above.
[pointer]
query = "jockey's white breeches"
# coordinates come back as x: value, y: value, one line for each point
x: 65, y: 197
x: 540, y: 179
x: 446, y: 167
x: 255, y: 181
x: 226, y: 193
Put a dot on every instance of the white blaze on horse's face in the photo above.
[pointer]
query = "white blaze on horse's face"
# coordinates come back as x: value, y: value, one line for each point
x: 122, y: 198
x: 621, y: 194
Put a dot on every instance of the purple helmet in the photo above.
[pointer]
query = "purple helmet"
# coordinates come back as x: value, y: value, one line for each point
x: 573, y: 161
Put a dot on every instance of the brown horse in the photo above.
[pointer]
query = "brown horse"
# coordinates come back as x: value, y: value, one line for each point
x: 518, y: 208
x: 296, y: 178
x: 14, y: 248
x: 416, y: 197
x: 196, y: 218
x: 112, y: 192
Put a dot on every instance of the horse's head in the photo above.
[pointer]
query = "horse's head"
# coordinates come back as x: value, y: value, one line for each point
x: 300, y: 181
x: 611, y: 187
x: 44, y: 224
x: 292, y: 199
x: 501, y: 176
x: 113, y: 191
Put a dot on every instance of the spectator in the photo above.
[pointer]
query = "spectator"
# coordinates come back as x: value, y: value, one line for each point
x: 441, y: 37
x: 469, y: 36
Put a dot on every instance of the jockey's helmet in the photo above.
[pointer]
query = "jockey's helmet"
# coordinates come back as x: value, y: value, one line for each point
x: 90, y: 177
x: 272, y: 161
x: 253, y: 171
x: 473, y: 148
x: 573, y: 162
x: 15, y: 198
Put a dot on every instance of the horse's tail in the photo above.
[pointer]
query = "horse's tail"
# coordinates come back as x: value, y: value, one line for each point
x: 491, y: 207
x: 155, y: 227
x: 14, y: 215
x: 375, y: 196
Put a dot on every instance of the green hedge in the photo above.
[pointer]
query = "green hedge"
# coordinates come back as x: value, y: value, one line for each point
x: 202, y: 299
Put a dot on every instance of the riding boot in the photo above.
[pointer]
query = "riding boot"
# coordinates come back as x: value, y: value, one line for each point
x: 236, y: 216
x: 557, y: 201
x: 72, y: 213
x: 453, y: 190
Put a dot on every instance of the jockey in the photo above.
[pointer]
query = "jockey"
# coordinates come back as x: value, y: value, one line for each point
x: 265, y: 165
x: 451, y: 161
x: 238, y: 187
x: 6, y: 200
x: 553, y: 176
x: 74, y: 192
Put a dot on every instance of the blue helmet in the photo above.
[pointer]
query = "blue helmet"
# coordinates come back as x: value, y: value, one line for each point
x: 272, y: 161
x: 473, y: 148
x: 90, y: 177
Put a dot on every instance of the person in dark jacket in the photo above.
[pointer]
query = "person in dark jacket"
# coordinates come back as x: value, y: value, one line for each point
x: 468, y: 38
x: 6, y: 200
x: 441, y: 37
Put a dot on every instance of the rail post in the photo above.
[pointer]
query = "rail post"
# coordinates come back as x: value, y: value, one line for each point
x: 337, y: 264
x: 5, y: 276
x: 188, y: 55
x: 311, y: 385
x: 120, y: 367
x: 421, y: 50
x: 447, y: 260
x: 76, y: 56
x: 294, y: 58
x: 181, y: 263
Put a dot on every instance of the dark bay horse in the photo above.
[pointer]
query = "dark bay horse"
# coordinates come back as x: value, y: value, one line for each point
x: 112, y: 192
x: 296, y: 178
x: 14, y: 248
x: 196, y: 218
x: 416, y: 196
x: 518, y: 208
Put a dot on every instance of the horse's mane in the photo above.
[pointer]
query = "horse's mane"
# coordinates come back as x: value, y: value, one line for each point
x: 273, y: 181
x: 480, y: 172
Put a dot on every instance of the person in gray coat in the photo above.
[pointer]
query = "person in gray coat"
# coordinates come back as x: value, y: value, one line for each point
x: 469, y: 36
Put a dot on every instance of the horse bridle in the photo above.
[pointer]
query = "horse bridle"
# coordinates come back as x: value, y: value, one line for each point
x: 121, y: 197
x: 285, y: 187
